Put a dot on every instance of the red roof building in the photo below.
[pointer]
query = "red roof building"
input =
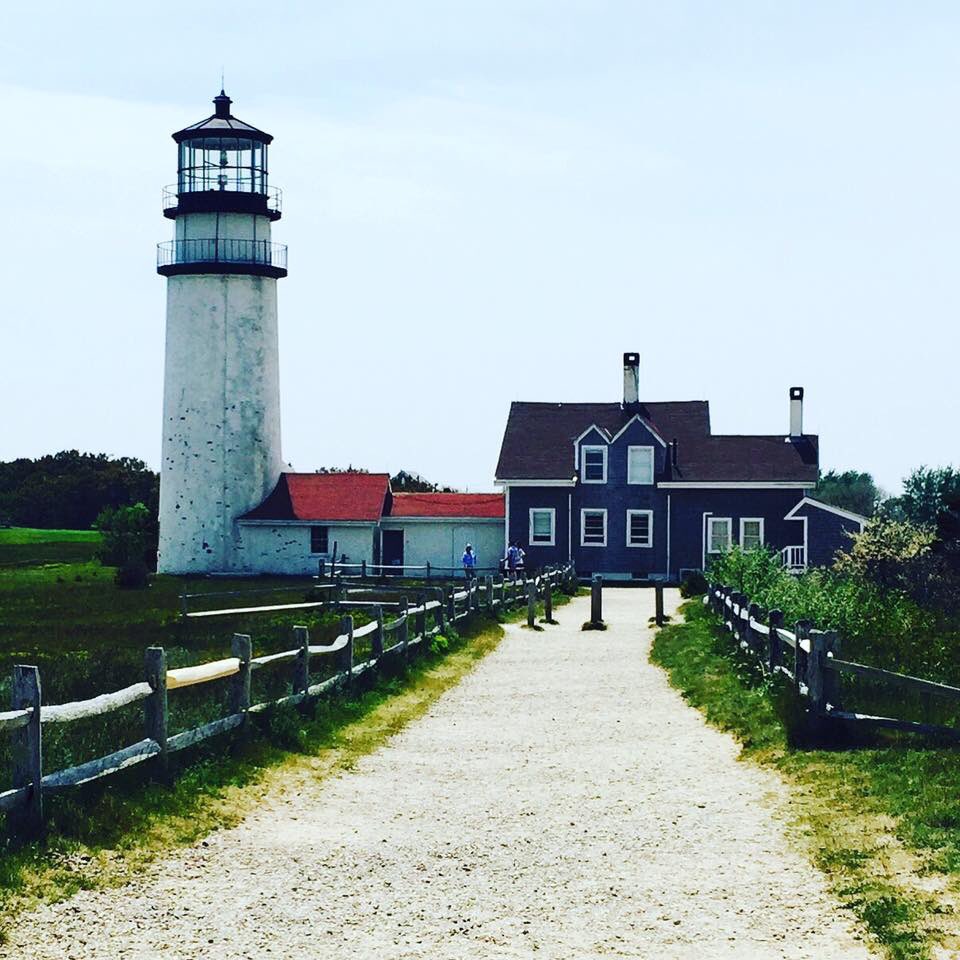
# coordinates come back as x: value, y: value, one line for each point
x: 454, y: 505
x: 324, y: 497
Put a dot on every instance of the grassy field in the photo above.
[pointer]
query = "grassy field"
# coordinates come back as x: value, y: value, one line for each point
x: 99, y: 838
x: 28, y: 546
x: 882, y: 819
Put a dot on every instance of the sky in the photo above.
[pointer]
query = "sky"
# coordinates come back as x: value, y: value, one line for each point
x: 487, y: 202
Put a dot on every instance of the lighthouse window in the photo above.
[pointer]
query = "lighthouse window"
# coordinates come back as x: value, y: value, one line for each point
x: 318, y: 540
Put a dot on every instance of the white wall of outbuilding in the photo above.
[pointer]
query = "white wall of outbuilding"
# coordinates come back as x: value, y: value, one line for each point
x: 284, y: 548
x: 440, y: 542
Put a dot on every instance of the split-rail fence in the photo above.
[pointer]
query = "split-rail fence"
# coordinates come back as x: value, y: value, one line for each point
x: 811, y: 661
x: 396, y: 639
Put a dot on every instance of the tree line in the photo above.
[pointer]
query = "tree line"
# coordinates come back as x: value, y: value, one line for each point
x: 69, y: 490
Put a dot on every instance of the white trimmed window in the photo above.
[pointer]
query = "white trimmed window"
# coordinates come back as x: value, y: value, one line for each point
x: 639, y: 528
x: 640, y: 465
x: 751, y: 533
x: 593, y: 528
x: 543, y: 527
x: 718, y: 534
x: 593, y: 464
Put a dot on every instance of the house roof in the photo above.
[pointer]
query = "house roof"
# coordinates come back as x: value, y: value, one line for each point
x: 539, y: 438
x: 325, y: 497
x: 448, y: 505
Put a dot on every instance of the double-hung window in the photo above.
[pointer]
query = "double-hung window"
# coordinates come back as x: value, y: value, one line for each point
x: 640, y: 465
x: 593, y: 528
x: 543, y: 527
x: 718, y: 534
x: 751, y: 533
x: 639, y: 528
x: 318, y: 539
x: 593, y: 464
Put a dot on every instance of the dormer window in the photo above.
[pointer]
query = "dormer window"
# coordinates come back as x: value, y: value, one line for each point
x: 640, y: 465
x: 593, y: 464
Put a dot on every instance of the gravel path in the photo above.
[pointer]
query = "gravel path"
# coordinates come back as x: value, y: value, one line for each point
x: 561, y: 802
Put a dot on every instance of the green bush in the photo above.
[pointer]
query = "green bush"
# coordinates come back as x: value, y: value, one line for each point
x: 879, y: 625
x: 129, y: 543
x: 693, y: 585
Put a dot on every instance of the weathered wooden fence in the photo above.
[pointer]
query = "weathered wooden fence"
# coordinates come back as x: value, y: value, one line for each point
x: 413, y: 625
x: 811, y: 661
x: 343, y: 590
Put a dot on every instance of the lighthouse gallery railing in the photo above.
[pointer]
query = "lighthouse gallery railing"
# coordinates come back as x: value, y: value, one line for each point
x: 221, y: 250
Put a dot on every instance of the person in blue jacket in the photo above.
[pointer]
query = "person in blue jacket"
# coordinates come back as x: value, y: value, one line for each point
x: 469, y: 561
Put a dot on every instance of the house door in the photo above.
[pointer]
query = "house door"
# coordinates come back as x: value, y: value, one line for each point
x: 393, y: 551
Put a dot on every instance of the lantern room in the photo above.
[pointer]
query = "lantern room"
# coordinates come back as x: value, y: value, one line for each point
x: 222, y: 167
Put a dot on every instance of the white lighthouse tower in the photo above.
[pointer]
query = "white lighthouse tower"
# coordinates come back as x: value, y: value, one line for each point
x: 221, y: 397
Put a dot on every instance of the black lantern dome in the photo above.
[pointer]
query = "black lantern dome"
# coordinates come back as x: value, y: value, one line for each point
x: 222, y: 167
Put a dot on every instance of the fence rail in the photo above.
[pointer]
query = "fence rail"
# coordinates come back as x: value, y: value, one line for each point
x: 23, y: 802
x: 815, y: 667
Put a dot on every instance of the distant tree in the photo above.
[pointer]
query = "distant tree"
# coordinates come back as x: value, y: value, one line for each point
x: 928, y: 493
x: 406, y: 482
x: 850, y: 490
x: 129, y: 542
x: 69, y: 489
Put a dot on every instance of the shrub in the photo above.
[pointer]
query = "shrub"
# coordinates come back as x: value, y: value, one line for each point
x: 129, y: 543
x: 693, y: 585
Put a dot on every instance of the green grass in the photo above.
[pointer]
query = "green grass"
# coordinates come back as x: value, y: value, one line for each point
x: 99, y: 838
x: 881, y: 819
x: 28, y: 546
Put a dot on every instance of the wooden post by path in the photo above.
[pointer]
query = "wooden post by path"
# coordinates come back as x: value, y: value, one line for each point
x: 548, y: 600
x: 301, y: 666
x: 596, y: 600
x: 155, y: 706
x: 26, y: 821
x: 242, y: 649
x: 658, y: 588
x: 831, y: 679
x: 488, y: 590
x: 531, y: 603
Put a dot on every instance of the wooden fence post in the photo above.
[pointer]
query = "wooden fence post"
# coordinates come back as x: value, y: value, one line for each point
x: 452, y: 606
x: 422, y: 616
x: 531, y: 603
x: 376, y: 638
x: 488, y: 589
x: 753, y: 613
x: 26, y: 822
x: 428, y: 570
x: 596, y: 600
x: 184, y: 604
x: 802, y: 630
x: 363, y: 569
x: 301, y: 666
x: 548, y: 600
x: 658, y: 588
x: 815, y: 681
x: 155, y: 706
x: 346, y: 655
x: 242, y: 648
x: 775, y: 645
x: 831, y: 679
x: 404, y: 628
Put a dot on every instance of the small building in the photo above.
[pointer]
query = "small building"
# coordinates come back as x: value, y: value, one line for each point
x: 434, y: 528
x: 355, y: 518
x: 645, y: 490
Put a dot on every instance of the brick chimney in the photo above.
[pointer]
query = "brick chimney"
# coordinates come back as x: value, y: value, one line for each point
x: 796, y: 411
x: 631, y: 380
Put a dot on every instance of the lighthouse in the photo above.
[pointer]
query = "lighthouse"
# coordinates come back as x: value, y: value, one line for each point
x: 221, y: 398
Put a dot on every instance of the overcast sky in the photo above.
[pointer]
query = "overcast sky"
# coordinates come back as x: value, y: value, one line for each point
x: 492, y: 201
